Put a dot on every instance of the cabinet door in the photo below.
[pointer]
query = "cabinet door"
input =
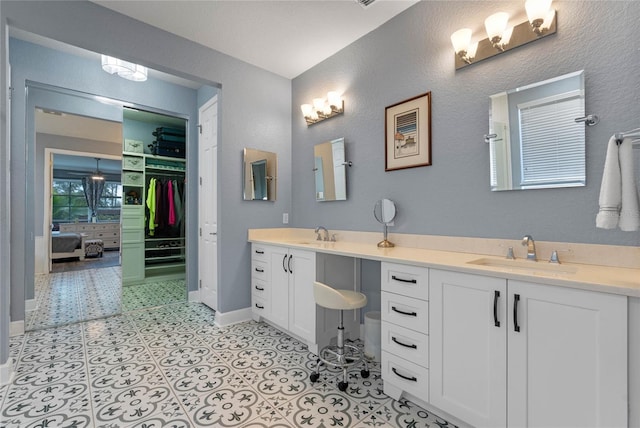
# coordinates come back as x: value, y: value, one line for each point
x: 133, y: 269
x: 279, y: 282
x: 302, y: 306
x: 568, y: 362
x: 468, y: 349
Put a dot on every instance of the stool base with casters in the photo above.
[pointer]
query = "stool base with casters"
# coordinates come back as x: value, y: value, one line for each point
x: 341, y: 355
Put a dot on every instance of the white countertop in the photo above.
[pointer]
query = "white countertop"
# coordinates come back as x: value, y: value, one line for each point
x: 608, y: 279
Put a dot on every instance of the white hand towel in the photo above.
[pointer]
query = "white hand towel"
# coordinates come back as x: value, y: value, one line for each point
x: 610, y: 189
x: 630, y: 206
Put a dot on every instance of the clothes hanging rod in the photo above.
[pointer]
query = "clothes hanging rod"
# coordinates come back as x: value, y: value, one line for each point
x: 634, y: 134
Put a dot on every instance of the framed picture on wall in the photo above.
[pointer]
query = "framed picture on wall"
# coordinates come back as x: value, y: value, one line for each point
x: 408, y: 133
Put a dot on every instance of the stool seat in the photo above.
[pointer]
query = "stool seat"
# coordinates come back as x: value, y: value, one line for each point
x: 332, y: 298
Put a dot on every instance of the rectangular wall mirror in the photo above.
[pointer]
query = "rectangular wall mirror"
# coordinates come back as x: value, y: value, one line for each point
x: 536, y: 141
x: 260, y: 175
x: 330, y: 171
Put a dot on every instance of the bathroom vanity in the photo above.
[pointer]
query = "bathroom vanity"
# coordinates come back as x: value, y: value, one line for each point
x: 491, y: 342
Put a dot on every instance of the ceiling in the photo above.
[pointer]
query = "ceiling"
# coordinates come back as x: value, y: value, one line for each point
x: 284, y: 37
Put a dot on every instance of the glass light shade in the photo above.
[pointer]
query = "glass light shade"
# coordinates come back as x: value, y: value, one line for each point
x: 548, y: 19
x: 135, y: 72
x: 461, y: 39
x: 506, y: 36
x: 326, y: 110
x: 97, y: 177
x: 496, y: 24
x: 537, y: 9
x: 471, y: 50
x: 112, y: 65
x: 307, y: 109
x: 318, y: 104
x: 334, y: 99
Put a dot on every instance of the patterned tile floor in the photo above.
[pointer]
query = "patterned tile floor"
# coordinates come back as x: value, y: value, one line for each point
x: 171, y: 366
x: 73, y: 296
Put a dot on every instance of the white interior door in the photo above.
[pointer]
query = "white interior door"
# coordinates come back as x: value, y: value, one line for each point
x: 208, y: 203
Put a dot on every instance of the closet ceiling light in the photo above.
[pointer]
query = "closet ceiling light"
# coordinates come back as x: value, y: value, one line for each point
x: 124, y: 69
x: 97, y: 176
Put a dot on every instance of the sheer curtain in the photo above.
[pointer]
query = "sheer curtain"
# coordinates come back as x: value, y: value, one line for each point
x: 92, y: 192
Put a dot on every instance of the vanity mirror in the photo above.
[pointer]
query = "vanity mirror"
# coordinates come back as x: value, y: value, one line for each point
x: 385, y: 211
x: 260, y: 175
x: 535, y: 140
x: 330, y: 170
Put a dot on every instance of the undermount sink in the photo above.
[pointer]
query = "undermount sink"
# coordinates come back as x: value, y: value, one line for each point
x: 524, y: 266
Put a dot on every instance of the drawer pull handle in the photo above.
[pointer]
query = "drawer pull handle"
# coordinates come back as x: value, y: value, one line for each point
x: 496, y: 296
x: 411, y: 281
x: 259, y: 252
x: 412, y: 346
x: 289, y: 263
x: 284, y: 259
x: 259, y: 288
x: 412, y: 378
x: 411, y: 314
x: 259, y: 270
x: 259, y: 307
x: 516, y: 299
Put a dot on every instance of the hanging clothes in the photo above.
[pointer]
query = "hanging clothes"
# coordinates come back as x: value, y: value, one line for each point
x: 151, y: 205
x: 177, y: 202
x: 172, y: 209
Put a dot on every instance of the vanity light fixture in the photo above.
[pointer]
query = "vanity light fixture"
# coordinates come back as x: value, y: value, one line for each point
x: 541, y: 22
x: 124, y: 69
x: 323, y: 108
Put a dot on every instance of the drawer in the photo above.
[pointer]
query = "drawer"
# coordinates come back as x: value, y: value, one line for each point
x: 405, y: 375
x: 133, y: 146
x: 259, y: 306
x: 67, y: 228
x: 111, y: 243
x: 405, y: 312
x: 132, y: 222
x: 259, y: 270
x: 258, y: 252
x: 407, y: 344
x: 133, y: 162
x: 102, y: 234
x: 131, y: 236
x: 130, y: 178
x: 259, y: 288
x: 406, y: 280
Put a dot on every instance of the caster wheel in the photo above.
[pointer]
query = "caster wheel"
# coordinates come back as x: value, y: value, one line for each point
x: 342, y: 386
x: 364, y: 374
x: 313, y: 377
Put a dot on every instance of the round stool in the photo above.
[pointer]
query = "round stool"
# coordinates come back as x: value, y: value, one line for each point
x: 340, y: 355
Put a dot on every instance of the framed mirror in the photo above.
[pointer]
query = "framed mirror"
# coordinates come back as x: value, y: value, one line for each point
x: 535, y: 141
x: 260, y: 175
x: 330, y: 171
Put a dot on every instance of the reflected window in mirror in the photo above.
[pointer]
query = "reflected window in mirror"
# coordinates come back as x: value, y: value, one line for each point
x: 260, y: 175
x: 330, y: 171
x: 537, y: 142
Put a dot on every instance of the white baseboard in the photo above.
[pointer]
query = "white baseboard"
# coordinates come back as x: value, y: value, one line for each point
x: 16, y: 328
x: 6, y: 372
x: 233, y: 317
x: 194, y: 296
x: 30, y: 305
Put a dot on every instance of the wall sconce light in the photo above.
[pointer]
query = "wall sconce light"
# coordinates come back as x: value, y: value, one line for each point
x: 501, y: 37
x: 323, y: 108
x: 126, y: 70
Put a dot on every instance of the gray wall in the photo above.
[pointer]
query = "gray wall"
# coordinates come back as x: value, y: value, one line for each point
x: 255, y: 111
x: 412, y: 54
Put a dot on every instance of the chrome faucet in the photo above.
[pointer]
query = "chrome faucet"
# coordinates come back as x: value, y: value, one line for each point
x: 326, y: 233
x: 531, y: 247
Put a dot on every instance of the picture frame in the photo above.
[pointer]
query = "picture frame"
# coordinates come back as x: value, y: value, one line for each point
x: 408, y: 133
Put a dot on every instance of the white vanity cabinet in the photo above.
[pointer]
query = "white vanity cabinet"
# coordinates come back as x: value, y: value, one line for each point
x: 287, y: 275
x: 405, y: 330
x: 559, y: 354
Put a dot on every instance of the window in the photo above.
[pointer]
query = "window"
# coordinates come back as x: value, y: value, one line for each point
x: 552, y: 143
x: 69, y: 203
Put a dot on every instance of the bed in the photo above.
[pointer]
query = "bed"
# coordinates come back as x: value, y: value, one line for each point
x: 66, y: 245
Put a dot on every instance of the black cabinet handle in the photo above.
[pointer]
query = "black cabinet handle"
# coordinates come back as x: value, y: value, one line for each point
x: 259, y: 270
x: 259, y: 288
x: 516, y: 299
x: 283, y: 260
x: 412, y: 378
x: 496, y: 296
x: 403, y: 344
x: 411, y: 281
x: 259, y: 307
x: 259, y: 252
x: 289, y: 264
x: 411, y: 314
